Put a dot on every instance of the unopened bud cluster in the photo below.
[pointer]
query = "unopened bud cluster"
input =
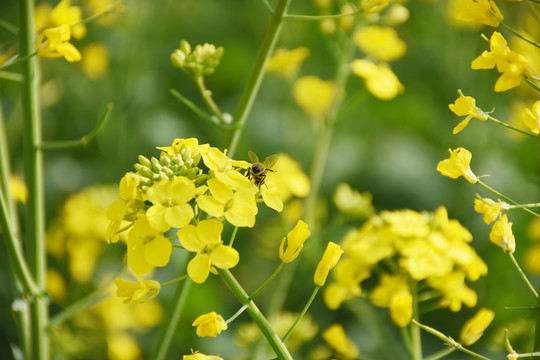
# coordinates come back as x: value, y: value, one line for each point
x: 203, y: 60
x: 168, y: 166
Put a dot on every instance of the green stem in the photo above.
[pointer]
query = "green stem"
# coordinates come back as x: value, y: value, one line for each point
x: 33, y: 171
x: 171, y: 323
x: 520, y: 206
x: 84, y: 303
x: 508, y: 126
x: 180, y: 278
x: 416, y: 338
x: 505, y: 198
x: 321, y: 17
x: 195, y: 108
x: 522, y: 274
x: 448, y: 340
x: 237, y: 314
x: 301, y: 315
x: 251, y: 89
x: 7, y: 75
x: 273, y: 339
x: 261, y: 288
x: 533, y: 43
x: 209, y: 100
x: 533, y: 85
x: 441, y: 354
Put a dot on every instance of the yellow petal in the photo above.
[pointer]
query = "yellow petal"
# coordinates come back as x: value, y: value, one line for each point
x: 199, y: 268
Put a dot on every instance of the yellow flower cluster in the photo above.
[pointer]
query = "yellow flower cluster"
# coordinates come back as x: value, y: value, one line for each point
x: 190, y: 181
x: 407, y: 247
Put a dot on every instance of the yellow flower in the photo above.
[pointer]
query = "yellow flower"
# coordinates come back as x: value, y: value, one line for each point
x: 455, y: 292
x: 512, y: 65
x: 64, y: 13
x: 458, y: 165
x: 205, y: 240
x: 314, y: 95
x: 489, y: 208
x: 352, y: 202
x: 54, y: 43
x: 329, y: 259
x: 532, y: 259
x: 122, y: 346
x: 380, y: 79
x: 147, y: 247
x: 170, y: 203
x: 466, y: 106
x: 238, y: 207
x: 373, y: 6
x: 389, y: 286
x: 401, y: 308
x: 143, y: 291
x: 287, y: 63
x: 474, y: 328
x: 124, y: 208
x: 18, y: 189
x: 200, y: 356
x: 532, y: 118
x: 502, y: 236
x: 209, y: 325
x: 381, y: 42
x: 295, y: 242
x: 95, y: 61
x: 337, y: 339
x: 56, y: 285
x: 480, y: 11
x: 288, y: 178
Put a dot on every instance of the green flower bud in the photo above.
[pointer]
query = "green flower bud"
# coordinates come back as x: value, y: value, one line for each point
x: 156, y: 166
x: 185, y: 47
x: 144, y: 161
x: 143, y: 171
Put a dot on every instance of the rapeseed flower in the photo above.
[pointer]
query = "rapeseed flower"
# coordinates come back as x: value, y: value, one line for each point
x: 205, y: 240
x: 54, y: 43
x: 200, y: 356
x: 147, y: 247
x: 458, y: 165
x: 330, y: 258
x: 379, y: 78
x: 502, y: 236
x: 474, y: 328
x: 294, y: 242
x: 531, y: 118
x: 489, y: 208
x: 373, y: 6
x: 142, y: 291
x: 209, y: 325
x: 18, y: 189
x: 338, y: 340
x: 95, y: 61
x: 466, y: 106
x: 480, y: 11
x: 314, y: 95
x: 380, y: 42
x: 286, y: 63
x: 352, y: 202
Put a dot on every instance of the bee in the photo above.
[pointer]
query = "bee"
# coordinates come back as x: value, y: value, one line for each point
x: 257, y: 171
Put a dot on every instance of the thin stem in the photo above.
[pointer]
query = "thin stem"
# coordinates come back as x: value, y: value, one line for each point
x: 533, y: 85
x: 84, y: 303
x: 17, y: 59
x: 83, y: 141
x: 301, y: 315
x: 209, y: 100
x: 520, y: 206
x: 416, y: 338
x: 8, y: 27
x: 448, y: 340
x: 180, y: 278
x: 171, y: 322
x: 505, y: 198
x: 491, y: 118
x: 533, y: 43
x: 33, y: 171
x: 321, y: 17
x: 275, y: 342
x: 261, y: 288
x: 233, y: 236
x: 7, y: 75
x: 195, y: 108
x: 440, y: 354
x: 237, y: 314
x: 251, y: 89
x: 522, y: 274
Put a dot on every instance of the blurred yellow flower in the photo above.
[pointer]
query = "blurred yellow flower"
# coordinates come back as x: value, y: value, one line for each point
x: 286, y: 63
x: 170, y: 206
x: 531, y: 259
x: 200, y: 356
x: 381, y: 42
x: 455, y: 292
x: 489, y: 208
x: 466, y: 106
x: 458, y: 165
x: 65, y: 14
x: 330, y: 258
x: 502, y: 236
x: 401, y: 308
x: 373, y: 6
x: 531, y: 118
x: 95, y: 61
x: 107, y: 10
x: 474, y: 328
x: 288, y: 178
x: 337, y: 339
x: 294, y: 242
x: 352, y: 202
x: 54, y: 43
x: 205, y: 240
x: 511, y: 65
x: 142, y: 291
x: 480, y: 11
x: 314, y: 95
x: 380, y: 79
x: 209, y: 325
x: 56, y: 285
x: 147, y: 247
x: 18, y: 189
x: 122, y: 346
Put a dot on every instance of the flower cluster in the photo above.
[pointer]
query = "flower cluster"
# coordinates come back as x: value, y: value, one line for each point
x: 202, y: 60
x: 189, y: 182
x: 407, y: 247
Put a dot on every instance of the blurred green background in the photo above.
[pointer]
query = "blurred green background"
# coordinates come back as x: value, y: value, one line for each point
x: 389, y: 148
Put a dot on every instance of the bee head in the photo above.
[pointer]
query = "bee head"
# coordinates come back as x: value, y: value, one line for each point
x: 257, y: 168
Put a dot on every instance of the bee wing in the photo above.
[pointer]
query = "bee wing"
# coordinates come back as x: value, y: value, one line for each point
x: 252, y: 157
x: 270, y: 161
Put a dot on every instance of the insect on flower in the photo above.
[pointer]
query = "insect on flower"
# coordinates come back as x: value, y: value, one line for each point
x: 257, y: 171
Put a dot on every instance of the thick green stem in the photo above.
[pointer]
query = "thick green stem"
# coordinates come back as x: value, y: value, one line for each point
x: 255, y: 79
x: 416, y: 338
x: 33, y: 173
x: 273, y: 339
x: 537, y: 331
x: 171, y: 322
